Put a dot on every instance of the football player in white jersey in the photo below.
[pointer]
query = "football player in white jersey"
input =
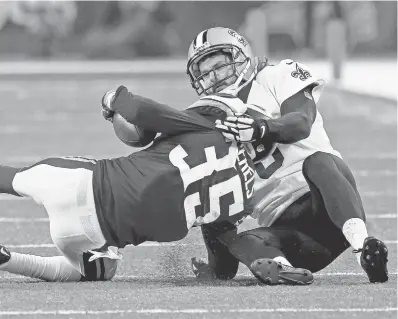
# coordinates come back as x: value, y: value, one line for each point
x: 307, y: 203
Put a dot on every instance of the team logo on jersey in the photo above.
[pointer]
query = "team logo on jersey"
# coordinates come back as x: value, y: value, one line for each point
x: 300, y: 73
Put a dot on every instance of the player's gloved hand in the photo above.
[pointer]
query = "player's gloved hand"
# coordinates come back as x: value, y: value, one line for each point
x: 106, y: 102
x: 242, y: 128
x: 201, y: 269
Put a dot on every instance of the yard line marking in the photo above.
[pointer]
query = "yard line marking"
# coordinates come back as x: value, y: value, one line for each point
x: 245, y: 275
x: 381, y: 216
x: 189, y: 311
x: 372, y: 173
x: 378, y: 194
x: 146, y: 244
x: 23, y: 220
x: 331, y: 274
x: 379, y: 156
x: 46, y: 220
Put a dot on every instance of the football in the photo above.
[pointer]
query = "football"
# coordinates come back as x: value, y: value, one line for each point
x: 130, y: 134
x: 262, y: 148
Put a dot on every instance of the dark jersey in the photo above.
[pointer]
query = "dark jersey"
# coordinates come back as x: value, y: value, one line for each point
x: 190, y: 176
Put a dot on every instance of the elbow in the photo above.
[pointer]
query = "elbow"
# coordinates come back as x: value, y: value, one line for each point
x: 303, y: 128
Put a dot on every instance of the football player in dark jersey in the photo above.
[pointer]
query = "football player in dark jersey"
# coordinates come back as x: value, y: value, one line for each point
x: 188, y: 177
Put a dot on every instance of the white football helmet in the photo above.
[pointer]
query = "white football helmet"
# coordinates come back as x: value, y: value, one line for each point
x: 225, y: 41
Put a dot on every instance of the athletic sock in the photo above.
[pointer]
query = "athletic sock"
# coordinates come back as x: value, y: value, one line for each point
x: 355, y: 232
x: 282, y: 260
x: 56, y: 268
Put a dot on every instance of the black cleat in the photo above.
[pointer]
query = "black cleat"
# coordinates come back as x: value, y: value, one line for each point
x: 5, y: 255
x: 272, y: 272
x: 374, y: 259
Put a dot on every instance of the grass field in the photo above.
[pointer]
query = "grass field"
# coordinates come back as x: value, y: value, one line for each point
x: 61, y: 116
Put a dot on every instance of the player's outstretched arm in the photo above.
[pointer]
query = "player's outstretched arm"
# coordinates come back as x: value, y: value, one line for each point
x: 153, y: 116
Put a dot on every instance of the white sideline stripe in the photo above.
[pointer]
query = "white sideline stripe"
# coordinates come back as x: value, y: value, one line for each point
x: 146, y: 244
x: 149, y: 66
x: 190, y: 311
x: 45, y: 219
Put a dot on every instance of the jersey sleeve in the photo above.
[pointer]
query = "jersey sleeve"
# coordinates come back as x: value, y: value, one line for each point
x: 289, y: 77
x: 153, y: 116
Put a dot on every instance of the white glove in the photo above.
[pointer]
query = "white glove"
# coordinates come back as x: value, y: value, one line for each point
x: 242, y: 128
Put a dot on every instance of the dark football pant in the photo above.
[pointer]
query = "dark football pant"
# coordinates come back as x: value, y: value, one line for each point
x: 309, y: 232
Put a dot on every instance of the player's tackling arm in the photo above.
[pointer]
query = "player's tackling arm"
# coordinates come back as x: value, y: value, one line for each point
x: 156, y: 117
x: 296, y: 92
x: 298, y: 112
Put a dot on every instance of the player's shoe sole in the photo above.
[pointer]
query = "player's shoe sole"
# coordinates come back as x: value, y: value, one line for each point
x: 374, y: 255
x: 272, y: 272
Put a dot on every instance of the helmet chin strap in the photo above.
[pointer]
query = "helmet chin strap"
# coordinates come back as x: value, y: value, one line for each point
x: 234, y: 88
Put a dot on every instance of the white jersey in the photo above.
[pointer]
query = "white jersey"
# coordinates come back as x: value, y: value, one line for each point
x: 279, y: 180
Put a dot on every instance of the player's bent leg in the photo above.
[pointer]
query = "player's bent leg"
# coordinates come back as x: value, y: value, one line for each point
x: 56, y: 268
x: 336, y: 185
x: 275, y: 255
x: 333, y: 186
x: 64, y: 187
x: 77, y: 234
x: 299, y: 249
x: 317, y: 237
x: 53, y: 181
x: 260, y: 250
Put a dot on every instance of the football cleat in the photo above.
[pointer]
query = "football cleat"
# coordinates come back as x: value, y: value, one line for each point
x: 374, y: 259
x: 5, y: 255
x: 272, y: 272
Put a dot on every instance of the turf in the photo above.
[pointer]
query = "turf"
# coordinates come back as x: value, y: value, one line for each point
x: 61, y: 116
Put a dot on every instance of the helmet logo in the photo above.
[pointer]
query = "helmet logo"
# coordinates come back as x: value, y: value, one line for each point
x: 240, y: 38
